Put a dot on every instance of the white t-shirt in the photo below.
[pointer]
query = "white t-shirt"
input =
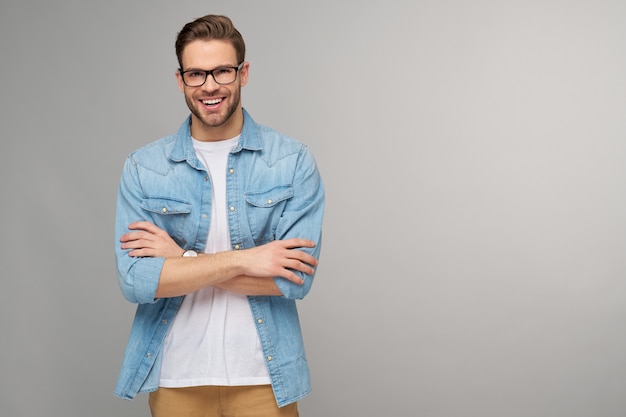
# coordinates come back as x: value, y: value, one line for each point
x: 213, y: 340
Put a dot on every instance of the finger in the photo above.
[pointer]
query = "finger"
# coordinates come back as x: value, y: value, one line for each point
x: 143, y: 225
x: 130, y: 236
x: 140, y: 253
x: 138, y: 243
x: 301, y: 267
x: 127, y: 237
x: 296, y: 242
x: 303, y: 257
x: 291, y: 276
x: 131, y: 245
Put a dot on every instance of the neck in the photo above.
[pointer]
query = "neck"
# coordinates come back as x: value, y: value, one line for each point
x: 227, y: 130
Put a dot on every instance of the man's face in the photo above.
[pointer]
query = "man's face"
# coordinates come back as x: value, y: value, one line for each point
x: 215, y: 109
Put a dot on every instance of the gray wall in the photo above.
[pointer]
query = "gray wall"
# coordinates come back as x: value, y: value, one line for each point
x: 473, y: 154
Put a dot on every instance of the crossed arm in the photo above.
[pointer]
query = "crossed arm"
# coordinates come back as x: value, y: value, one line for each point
x: 248, y: 271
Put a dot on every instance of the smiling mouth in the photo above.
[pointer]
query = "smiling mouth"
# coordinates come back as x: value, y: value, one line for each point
x: 212, y: 102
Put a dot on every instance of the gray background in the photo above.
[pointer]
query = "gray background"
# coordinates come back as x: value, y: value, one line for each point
x: 473, y: 154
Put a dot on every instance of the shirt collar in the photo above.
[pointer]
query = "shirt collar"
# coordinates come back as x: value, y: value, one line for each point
x: 182, y: 148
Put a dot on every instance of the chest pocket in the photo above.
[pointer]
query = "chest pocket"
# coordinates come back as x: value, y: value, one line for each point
x: 264, y: 209
x: 169, y: 214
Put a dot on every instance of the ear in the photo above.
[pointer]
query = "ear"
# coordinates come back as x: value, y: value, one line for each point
x: 243, y: 73
x: 181, y: 85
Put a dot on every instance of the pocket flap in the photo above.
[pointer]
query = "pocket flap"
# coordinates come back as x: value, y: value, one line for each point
x: 270, y: 198
x: 164, y: 205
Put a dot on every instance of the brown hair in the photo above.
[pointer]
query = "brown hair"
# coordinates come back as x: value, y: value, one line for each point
x: 207, y: 28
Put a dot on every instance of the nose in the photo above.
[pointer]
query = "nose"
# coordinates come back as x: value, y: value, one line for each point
x: 210, y: 84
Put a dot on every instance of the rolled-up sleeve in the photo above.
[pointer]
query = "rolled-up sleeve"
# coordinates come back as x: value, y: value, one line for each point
x: 138, y: 277
x: 303, y: 218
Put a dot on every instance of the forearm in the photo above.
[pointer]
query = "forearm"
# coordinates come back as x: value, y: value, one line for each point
x: 254, y: 268
x: 247, y: 285
x: 180, y: 276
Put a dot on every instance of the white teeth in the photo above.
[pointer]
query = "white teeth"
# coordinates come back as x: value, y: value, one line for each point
x: 211, y: 102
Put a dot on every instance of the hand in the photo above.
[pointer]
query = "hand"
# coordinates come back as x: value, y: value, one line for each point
x: 148, y: 240
x: 280, y: 259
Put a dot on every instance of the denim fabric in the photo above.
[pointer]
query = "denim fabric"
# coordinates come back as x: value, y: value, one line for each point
x: 274, y: 191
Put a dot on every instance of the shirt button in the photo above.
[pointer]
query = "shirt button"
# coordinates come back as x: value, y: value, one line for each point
x: 232, y: 208
x: 148, y: 355
x: 232, y: 171
x: 237, y: 247
x: 164, y: 322
x: 259, y: 321
x: 163, y: 210
x: 269, y: 358
x: 269, y: 201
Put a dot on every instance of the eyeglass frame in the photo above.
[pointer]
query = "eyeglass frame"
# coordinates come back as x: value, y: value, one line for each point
x: 210, y: 72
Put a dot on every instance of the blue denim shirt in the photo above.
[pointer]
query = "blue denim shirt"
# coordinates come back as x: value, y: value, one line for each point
x: 273, y: 191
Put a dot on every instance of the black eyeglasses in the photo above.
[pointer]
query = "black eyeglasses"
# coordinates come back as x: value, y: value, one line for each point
x: 221, y: 75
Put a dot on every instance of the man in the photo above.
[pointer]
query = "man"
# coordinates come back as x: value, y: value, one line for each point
x: 220, y: 230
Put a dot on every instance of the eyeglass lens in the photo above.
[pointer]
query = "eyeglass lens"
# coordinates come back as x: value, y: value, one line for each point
x: 224, y: 75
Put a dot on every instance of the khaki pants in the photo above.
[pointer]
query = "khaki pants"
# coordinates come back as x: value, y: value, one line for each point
x: 216, y: 401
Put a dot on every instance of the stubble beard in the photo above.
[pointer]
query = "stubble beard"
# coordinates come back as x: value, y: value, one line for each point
x: 214, y: 120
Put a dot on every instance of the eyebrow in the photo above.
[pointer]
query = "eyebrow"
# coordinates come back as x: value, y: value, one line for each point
x: 218, y: 67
